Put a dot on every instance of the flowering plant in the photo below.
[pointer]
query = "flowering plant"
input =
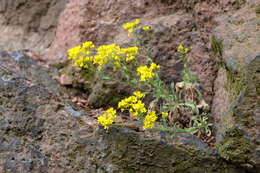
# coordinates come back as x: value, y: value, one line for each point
x: 128, y: 68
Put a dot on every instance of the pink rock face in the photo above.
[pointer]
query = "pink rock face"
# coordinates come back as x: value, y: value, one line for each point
x: 28, y: 24
x: 221, y: 104
x: 67, y: 32
x: 101, y: 21
x: 183, y: 22
x: 98, y: 21
x: 33, y: 25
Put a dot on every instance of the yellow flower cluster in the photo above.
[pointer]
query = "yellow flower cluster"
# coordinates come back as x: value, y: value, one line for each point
x: 133, y: 103
x: 182, y: 50
x: 83, y: 62
x: 81, y: 54
x: 74, y: 52
x: 107, y: 118
x: 131, y: 25
x: 165, y: 114
x: 130, y: 53
x: 149, y: 120
x: 146, y: 73
x: 114, y: 53
x: 104, y: 54
x: 88, y: 45
x: 146, y: 28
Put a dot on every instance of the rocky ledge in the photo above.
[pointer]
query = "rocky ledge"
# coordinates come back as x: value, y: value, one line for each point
x: 42, y: 132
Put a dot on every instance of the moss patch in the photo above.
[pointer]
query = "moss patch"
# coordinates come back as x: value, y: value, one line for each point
x: 257, y: 9
x: 235, y: 81
x: 235, y: 147
x: 235, y: 84
x: 216, y: 47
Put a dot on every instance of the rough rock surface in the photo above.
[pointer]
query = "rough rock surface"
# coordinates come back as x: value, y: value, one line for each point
x: 236, y: 103
x: 174, y: 22
x: 29, y: 24
x: 41, y: 132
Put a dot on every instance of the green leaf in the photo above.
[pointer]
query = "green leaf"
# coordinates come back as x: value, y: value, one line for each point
x: 106, y: 78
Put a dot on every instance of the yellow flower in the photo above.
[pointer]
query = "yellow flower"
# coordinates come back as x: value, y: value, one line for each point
x: 131, y: 25
x: 79, y: 62
x: 127, y: 102
x: 137, y: 21
x: 80, y: 55
x: 165, y: 114
x: 146, y: 73
x: 133, y: 103
x: 138, y: 108
x: 74, y: 52
x: 88, y: 45
x: 130, y: 53
x: 83, y: 55
x: 182, y: 50
x: 138, y: 94
x: 106, y: 53
x: 154, y: 66
x: 149, y: 120
x: 187, y: 50
x: 107, y: 118
x: 146, y: 28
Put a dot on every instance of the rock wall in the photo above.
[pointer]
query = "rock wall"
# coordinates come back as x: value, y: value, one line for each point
x: 174, y: 22
x: 236, y: 102
x: 38, y: 26
x: 40, y: 131
x: 29, y: 24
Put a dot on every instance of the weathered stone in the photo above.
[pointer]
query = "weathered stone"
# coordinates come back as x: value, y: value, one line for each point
x: 41, y: 132
x: 29, y: 24
x: 173, y: 22
x: 106, y: 93
x: 236, y: 101
x: 65, y: 80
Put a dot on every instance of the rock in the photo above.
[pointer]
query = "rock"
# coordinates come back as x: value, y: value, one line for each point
x: 173, y: 22
x: 29, y: 24
x: 38, y: 26
x: 27, y: 67
x: 41, y: 132
x: 106, y: 93
x: 65, y: 80
x: 236, y: 102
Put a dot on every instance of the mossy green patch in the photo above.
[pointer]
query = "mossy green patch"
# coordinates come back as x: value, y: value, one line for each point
x: 235, y: 147
x: 235, y: 84
x: 216, y: 47
x: 234, y: 132
x: 257, y: 9
x: 236, y: 78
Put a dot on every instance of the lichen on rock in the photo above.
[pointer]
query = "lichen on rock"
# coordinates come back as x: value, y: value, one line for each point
x: 235, y: 147
x: 238, y: 82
